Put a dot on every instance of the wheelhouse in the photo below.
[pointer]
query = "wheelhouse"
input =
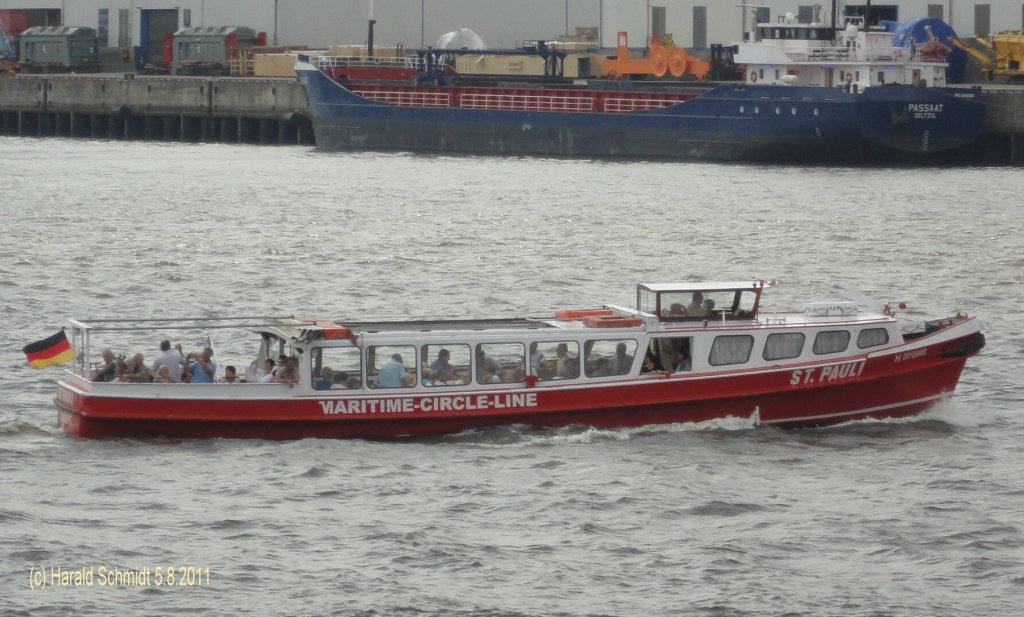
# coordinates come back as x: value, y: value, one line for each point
x: 705, y: 301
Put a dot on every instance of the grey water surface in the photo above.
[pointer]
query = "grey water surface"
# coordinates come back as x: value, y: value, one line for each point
x: 914, y: 517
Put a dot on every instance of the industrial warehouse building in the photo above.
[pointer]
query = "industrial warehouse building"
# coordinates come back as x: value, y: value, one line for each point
x: 142, y: 24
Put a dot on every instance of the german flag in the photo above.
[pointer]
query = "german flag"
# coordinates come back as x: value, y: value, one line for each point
x: 51, y: 350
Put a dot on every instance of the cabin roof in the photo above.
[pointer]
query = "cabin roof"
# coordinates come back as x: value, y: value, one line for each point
x: 461, y: 325
x: 706, y: 286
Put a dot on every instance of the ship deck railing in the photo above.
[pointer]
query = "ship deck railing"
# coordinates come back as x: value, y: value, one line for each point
x: 407, y: 98
x: 335, y: 62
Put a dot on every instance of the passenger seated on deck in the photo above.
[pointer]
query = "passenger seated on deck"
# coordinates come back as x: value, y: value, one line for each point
x: 108, y: 371
x: 289, y: 373
x: 676, y: 310
x: 536, y: 358
x: 485, y: 363
x: 696, y: 307
x: 231, y: 375
x: 172, y: 359
x: 442, y: 362
x: 490, y: 374
x: 708, y: 306
x: 326, y: 381
x: 341, y: 379
x: 163, y: 375
x: 621, y: 362
x: 136, y: 371
x: 650, y: 363
x: 563, y: 363
x: 265, y: 374
x: 392, y: 373
x: 681, y: 360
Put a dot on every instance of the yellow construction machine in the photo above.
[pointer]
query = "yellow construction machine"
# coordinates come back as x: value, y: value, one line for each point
x: 1001, y: 53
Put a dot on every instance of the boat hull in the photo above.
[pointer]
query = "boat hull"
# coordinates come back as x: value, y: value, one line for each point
x: 726, y: 122
x: 901, y: 381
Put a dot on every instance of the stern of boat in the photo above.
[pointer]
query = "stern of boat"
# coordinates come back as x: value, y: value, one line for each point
x: 70, y: 400
x: 921, y: 120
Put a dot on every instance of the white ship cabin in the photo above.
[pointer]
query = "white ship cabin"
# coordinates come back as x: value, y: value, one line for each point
x: 683, y: 329
x: 853, y: 58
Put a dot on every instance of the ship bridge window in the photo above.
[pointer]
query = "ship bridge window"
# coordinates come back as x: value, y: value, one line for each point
x: 500, y: 362
x: 831, y: 341
x: 783, y: 345
x: 445, y: 365
x: 872, y: 337
x: 605, y: 357
x: 555, y: 359
x: 731, y: 349
x: 336, y: 368
x: 391, y: 366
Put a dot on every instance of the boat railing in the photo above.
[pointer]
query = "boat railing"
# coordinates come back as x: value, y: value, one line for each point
x: 407, y: 98
x: 625, y: 105
x: 335, y: 62
x: 82, y: 331
x: 526, y: 102
x: 845, y: 54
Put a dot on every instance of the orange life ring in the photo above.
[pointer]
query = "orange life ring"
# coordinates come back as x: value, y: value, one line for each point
x: 336, y: 332
x: 753, y: 77
x: 569, y: 314
x: 612, y: 322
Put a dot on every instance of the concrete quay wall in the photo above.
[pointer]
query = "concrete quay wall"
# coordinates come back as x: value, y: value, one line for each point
x: 227, y: 109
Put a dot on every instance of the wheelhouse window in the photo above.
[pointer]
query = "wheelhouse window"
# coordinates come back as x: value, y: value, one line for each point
x: 872, y: 337
x: 831, y: 341
x: 731, y: 349
x: 605, y: 357
x: 555, y: 359
x: 391, y: 366
x: 730, y: 304
x: 500, y: 363
x: 337, y: 368
x: 445, y: 365
x: 783, y: 345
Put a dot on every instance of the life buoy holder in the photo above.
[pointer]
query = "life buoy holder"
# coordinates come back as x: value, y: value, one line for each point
x: 612, y: 322
x: 753, y: 77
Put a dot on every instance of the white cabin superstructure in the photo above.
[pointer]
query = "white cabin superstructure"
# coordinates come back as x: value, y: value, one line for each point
x: 852, y: 56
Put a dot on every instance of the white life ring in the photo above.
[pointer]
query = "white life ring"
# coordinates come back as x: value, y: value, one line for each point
x: 753, y: 77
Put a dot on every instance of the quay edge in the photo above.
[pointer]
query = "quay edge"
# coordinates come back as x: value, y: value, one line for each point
x: 274, y: 111
x: 270, y: 111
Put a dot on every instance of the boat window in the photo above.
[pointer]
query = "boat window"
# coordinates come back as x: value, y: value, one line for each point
x: 831, y: 341
x: 646, y: 301
x: 872, y: 337
x: 606, y: 357
x: 731, y: 349
x: 555, y: 359
x: 710, y: 305
x: 671, y: 353
x: 783, y: 345
x: 336, y: 368
x: 445, y: 365
x: 500, y: 362
x: 391, y: 366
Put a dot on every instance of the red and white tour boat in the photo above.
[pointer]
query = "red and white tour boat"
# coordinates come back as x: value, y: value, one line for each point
x: 685, y: 353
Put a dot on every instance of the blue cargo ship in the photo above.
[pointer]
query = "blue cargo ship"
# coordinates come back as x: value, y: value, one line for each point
x: 810, y: 93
